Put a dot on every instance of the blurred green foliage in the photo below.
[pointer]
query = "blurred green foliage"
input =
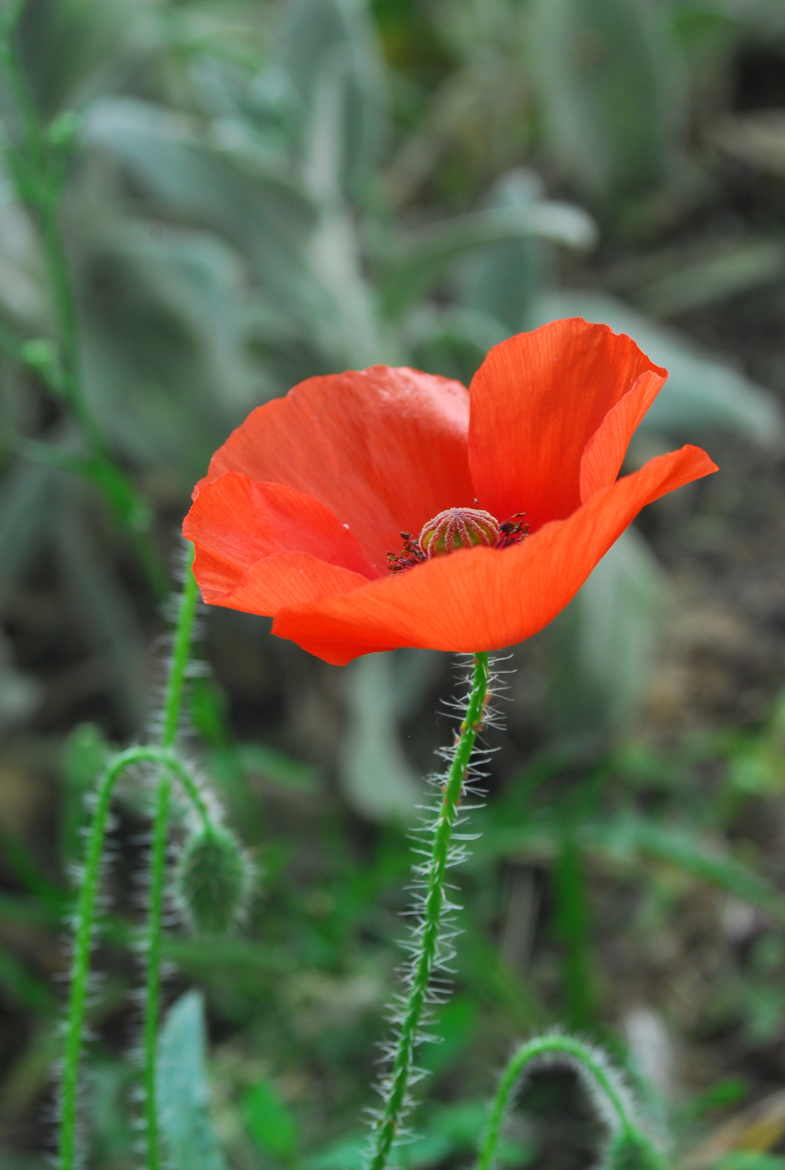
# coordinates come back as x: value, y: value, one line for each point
x: 251, y: 194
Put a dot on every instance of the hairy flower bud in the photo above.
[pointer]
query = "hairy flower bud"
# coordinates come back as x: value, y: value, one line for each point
x: 213, y: 879
x: 458, y: 528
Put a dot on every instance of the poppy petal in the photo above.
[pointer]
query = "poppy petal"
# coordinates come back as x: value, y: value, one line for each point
x: 536, y: 401
x: 282, y: 580
x: 604, y: 453
x: 383, y: 448
x: 235, y: 523
x: 482, y: 598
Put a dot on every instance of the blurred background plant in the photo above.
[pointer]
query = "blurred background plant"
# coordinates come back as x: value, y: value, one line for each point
x: 247, y: 195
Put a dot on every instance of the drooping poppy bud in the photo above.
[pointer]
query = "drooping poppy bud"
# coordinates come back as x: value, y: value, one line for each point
x: 213, y: 880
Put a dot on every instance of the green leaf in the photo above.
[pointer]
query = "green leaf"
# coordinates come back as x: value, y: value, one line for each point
x: 709, y: 274
x: 183, y: 1088
x: 750, y: 1160
x: 345, y: 1154
x: 702, y: 393
x: 278, y: 768
x: 684, y: 848
x: 376, y: 777
x: 611, y: 83
x: 336, y: 39
x: 602, y: 646
x: 448, y: 1135
x: 501, y: 280
x: 628, y: 838
x: 269, y: 1122
x: 227, y: 186
x: 417, y: 261
x: 147, y: 351
x: 20, y: 984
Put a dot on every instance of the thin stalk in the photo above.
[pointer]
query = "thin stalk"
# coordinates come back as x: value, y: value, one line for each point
x: 38, y: 170
x: 173, y: 701
x: 572, y: 927
x: 424, y: 958
x: 84, y: 930
x: 580, y: 1055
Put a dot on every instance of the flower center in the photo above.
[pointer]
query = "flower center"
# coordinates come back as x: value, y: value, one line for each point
x: 456, y: 528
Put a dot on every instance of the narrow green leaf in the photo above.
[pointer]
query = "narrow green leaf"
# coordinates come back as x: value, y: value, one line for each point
x: 338, y: 37
x: 602, y: 646
x: 416, y: 262
x: 269, y: 1122
x: 629, y: 839
x: 376, y: 777
x: 183, y: 1088
x: 611, y: 83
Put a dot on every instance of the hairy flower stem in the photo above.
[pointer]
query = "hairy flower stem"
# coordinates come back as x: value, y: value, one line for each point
x: 425, y: 955
x: 173, y: 701
x: 84, y: 929
x: 592, y: 1065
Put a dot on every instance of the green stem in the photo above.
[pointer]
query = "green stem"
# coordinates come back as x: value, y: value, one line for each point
x: 576, y: 1052
x: 84, y: 930
x: 572, y: 927
x: 181, y: 656
x: 425, y: 956
x: 38, y: 170
x: 163, y: 801
x: 67, y: 321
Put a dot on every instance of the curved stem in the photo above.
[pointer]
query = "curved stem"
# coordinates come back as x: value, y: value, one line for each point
x: 427, y: 937
x: 84, y: 930
x: 173, y: 700
x: 591, y: 1064
x: 189, y: 786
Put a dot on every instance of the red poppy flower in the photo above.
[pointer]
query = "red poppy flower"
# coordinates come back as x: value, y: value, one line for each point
x: 302, y: 512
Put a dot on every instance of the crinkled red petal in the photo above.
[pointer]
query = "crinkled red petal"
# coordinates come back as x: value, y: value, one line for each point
x: 536, y: 401
x: 237, y: 525
x: 482, y: 598
x: 384, y: 449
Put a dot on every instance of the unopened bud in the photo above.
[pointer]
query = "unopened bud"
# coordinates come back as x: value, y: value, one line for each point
x: 213, y: 880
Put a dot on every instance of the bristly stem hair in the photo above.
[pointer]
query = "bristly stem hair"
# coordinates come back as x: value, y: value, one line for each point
x: 173, y: 700
x: 170, y: 771
x: 428, y: 934
x: 84, y: 928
